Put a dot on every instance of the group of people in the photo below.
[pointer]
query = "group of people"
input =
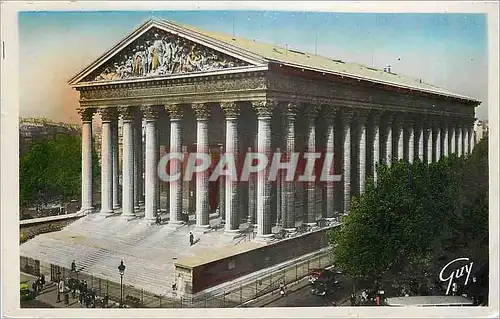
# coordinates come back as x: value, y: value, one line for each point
x: 37, y: 285
x: 165, y: 54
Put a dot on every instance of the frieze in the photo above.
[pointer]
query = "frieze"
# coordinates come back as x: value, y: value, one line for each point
x: 160, y: 53
x: 212, y: 85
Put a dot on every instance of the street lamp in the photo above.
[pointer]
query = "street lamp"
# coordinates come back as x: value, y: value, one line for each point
x: 121, y: 270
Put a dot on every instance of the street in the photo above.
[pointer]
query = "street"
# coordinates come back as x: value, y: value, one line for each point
x: 304, y: 298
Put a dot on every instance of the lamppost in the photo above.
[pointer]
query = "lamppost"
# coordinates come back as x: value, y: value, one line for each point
x: 121, y: 270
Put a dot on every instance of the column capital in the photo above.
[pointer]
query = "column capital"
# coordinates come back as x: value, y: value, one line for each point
x: 174, y: 110
x: 264, y: 108
x: 311, y: 110
x: 86, y: 114
x: 361, y: 115
x: 330, y: 112
x: 201, y: 110
x: 389, y: 117
x: 108, y: 114
x: 375, y: 115
x: 127, y: 113
x: 346, y: 114
x: 291, y: 109
x: 150, y: 112
x: 230, y: 109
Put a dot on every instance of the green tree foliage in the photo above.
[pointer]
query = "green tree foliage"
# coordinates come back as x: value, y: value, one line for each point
x: 416, y: 216
x: 51, y: 170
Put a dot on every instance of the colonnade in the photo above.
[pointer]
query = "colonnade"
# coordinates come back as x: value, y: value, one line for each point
x: 355, y: 136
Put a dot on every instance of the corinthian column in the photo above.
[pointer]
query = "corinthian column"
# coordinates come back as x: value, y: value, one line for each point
x: 175, y: 112
x: 446, y: 148
x: 232, y: 111
x: 311, y: 111
x: 116, y: 173
x: 137, y: 128
x: 202, y: 112
x: 398, y: 136
x: 437, y: 138
x: 452, y: 139
x: 361, y: 119
x: 430, y: 142
x: 388, y: 139
x: 420, y: 140
x: 86, y: 115
x: 330, y: 113
x: 376, y: 143
x: 151, y: 202
x: 411, y: 139
x: 264, y: 111
x: 290, y: 116
x: 107, y: 116
x: 471, y: 137
x: 128, y: 162
x: 465, y: 134
x: 459, y: 140
x: 346, y: 128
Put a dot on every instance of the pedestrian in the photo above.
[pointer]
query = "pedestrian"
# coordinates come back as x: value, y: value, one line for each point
x: 73, y: 266
x: 454, y: 289
x: 42, y: 279
x: 282, y: 289
x: 158, y: 219
x: 60, y: 290
x: 34, y: 287
x: 191, y: 239
x: 353, y: 300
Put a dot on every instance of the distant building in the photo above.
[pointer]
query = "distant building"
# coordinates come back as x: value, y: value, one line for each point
x: 38, y: 129
x: 480, y: 130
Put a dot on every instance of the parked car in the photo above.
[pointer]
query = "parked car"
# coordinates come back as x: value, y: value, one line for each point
x: 321, y: 272
x: 324, y: 285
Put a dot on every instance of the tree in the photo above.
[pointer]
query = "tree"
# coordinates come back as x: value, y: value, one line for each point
x: 415, y: 216
x: 51, y: 170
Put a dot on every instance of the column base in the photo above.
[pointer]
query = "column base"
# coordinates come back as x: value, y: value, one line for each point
x: 150, y: 221
x: 311, y: 224
x: 116, y: 207
x: 175, y: 224
x: 231, y: 232
x: 106, y: 212
x: 264, y: 238
x: 86, y: 210
x: 202, y: 229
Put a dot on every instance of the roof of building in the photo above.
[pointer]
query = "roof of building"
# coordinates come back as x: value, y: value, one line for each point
x: 321, y: 63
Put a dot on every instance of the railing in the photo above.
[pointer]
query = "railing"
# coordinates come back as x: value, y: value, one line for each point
x: 139, y: 298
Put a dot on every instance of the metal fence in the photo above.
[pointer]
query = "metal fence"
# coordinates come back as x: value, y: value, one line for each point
x: 140, y: 298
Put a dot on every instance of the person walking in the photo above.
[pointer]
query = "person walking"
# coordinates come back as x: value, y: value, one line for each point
x: 73, y: 266
x: 42, y: 280
x: 282, y: 289
x: 191, y: 239
x: 60, y: 290
x: 353, y: 300
x: 34, y: 287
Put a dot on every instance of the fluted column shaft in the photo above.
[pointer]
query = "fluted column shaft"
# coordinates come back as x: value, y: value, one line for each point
x: 137, y: 128
x: 116, y: 173
x: 87, y: 203
x: 411, y: 141
x: 437, y: 132
x: 232, y: 112
x: 376, y: 146
x: 465, y: 135
x: 362, y: 152
x: 420, y: 137
x: 151, y: 200
x: 430, y: 146
x: 452, y: 140
x: 107, y: 115
x: 128, y: 163
x: 222, y: 192
x: 398, y: 135
x: 471, y: 138
x: 388, y: 141
x: 446, y: 147
x: 264, y: 111
x: 459, y: 141
x: 311, y: 112
x: 202, y: 206
x: 175, y: 112
x: 291, y: 113
x: 346, y: 172
x: 330, y: 149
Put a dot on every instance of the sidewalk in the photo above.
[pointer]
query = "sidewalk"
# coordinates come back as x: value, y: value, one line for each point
x: 48, y: 295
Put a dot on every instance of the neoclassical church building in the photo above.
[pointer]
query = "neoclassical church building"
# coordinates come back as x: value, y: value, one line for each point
x: 198, y: 91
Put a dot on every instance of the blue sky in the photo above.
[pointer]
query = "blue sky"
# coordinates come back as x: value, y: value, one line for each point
x: 448, y: 50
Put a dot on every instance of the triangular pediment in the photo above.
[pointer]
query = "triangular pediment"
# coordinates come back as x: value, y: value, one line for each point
x: 157, y: 51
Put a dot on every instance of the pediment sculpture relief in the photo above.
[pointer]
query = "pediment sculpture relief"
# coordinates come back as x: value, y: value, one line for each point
x: 160, y: 53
